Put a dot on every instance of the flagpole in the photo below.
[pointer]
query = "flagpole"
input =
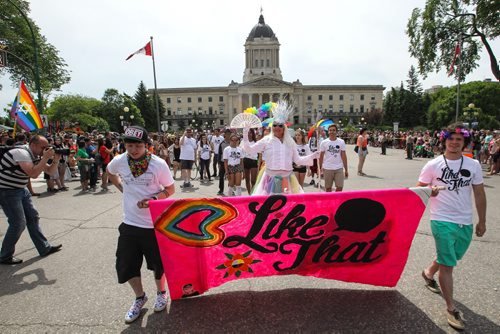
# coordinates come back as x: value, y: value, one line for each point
x: 156, y: 89
x: 15, y: 127
x: 458, y: 76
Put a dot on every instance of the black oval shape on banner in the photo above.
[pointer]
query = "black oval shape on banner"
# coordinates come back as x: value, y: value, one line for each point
x: 359, y: 215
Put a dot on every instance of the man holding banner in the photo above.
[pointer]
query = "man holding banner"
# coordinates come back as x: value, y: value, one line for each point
x: 451, y: 212
x: 141, y: 177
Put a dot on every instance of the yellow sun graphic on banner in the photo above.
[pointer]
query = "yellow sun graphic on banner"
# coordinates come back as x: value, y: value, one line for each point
x: 237, y: 263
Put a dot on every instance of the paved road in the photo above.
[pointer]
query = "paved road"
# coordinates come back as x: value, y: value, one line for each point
x: 75, y: 290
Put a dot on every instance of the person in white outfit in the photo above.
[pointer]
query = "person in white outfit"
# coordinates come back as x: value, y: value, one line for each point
x: 279, y: 153
x: 233, y: 164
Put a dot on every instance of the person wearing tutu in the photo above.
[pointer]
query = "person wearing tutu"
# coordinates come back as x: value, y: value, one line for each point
x: 233, y: 164
x: 279, y: 152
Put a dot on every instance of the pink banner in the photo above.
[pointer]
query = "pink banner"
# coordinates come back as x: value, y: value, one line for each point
x: 359, y: 236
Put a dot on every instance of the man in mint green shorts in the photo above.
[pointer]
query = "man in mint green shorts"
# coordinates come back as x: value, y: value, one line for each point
x: 451, y: 212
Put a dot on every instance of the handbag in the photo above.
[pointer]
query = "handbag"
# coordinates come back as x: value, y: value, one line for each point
x: 67, y: 174
x: 356, y: 148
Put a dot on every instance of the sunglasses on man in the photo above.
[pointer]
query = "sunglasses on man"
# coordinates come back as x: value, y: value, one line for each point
x: 277, y: 125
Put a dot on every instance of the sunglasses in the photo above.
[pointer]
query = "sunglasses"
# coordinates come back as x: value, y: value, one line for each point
x: 278, y: 125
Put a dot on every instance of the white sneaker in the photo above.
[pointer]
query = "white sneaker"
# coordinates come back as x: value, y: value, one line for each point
x: 161, y: 302
x: 135, y: 309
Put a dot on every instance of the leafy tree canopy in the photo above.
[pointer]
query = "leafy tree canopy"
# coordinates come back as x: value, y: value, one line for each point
x: 112, y: 107
x: 434, y: 32
x: 16, y: 36
x: 484, y: 95
x: 77, y: 108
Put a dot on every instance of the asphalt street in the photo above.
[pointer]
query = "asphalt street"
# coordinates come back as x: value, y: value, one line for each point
x: 76, y: 291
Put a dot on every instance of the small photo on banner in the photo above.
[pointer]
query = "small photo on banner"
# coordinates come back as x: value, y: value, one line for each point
x: 359, y: 236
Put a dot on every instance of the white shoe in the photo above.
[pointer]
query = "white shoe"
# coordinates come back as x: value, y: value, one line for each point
x: 135, y: 309
x: 161, y: 302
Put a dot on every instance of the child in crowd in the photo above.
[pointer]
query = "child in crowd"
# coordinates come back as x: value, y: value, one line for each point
x: 233, y: 164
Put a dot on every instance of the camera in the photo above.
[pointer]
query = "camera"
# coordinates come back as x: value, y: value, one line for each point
x: 59, y: 150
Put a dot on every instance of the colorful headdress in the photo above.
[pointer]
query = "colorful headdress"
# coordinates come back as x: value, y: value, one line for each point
x: 263, y: 111
x: 282, y: 111
x: 446, y: 134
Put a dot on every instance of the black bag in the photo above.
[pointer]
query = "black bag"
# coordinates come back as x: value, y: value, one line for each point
x: 356, y: 148
x: 98, y: 159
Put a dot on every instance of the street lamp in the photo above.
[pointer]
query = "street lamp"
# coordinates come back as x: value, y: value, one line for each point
x: 126, y: 120
x: 470, y: 114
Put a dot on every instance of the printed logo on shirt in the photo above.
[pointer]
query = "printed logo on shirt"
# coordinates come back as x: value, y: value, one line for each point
x: 301, y: 151
x: 143, y: 180
x: 333, y: 150
x: 455, y: 181
x: 235, y: 155
x: 312, y: 144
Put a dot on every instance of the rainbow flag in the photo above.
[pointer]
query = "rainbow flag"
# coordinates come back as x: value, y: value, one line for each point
x: 24, y: 110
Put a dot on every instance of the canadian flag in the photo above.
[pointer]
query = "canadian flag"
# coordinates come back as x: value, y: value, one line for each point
x: 457, y: 55
x: 146, y: 50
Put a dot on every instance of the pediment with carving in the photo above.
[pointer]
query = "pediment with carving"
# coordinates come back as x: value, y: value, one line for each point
x: 266, y: 82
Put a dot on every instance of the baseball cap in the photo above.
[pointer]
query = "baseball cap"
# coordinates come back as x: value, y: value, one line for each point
x: 135, y: 133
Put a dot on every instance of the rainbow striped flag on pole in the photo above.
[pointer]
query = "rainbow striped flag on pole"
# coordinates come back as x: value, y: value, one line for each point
x: 24, y: 110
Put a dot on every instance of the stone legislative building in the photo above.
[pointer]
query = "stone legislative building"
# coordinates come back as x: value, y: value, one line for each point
x: 215, y: 107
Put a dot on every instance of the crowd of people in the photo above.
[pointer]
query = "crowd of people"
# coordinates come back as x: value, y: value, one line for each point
x: 272, y: 160
x: 200, y: 154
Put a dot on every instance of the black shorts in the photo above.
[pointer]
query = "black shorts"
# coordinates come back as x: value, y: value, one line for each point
x: 187, y: 164
x: 134, y: 243
x: 249, y: 163
x: 302, y: 169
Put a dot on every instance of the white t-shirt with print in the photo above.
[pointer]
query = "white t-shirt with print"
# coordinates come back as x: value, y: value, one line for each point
x: 454, y: 204
x: 303, y: 150
x: 332, y: 158
x: 204, y: 150
x: 216, y: 140
x: 135, y: 189
x: 233, y: 155
x: 188, y: 149
x: 249, y: 155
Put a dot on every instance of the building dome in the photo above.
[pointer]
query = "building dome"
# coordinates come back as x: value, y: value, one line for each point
x: 261, y: 29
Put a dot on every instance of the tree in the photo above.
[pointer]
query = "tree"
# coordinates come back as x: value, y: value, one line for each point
x: 16, y: 36
x: 484, y: 95
x: 373, y: 117
x: 77, y: 108
x: 435, y: 30
x: 146, y: 106
x: 112, y: 107
x: 414, y: 85
x: 407, y: 106
x: 413, y: 112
